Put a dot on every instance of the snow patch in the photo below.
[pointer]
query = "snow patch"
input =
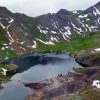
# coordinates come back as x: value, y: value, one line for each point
x: 79, y: 30
x: 23, y: 48
x: 96, y: 12
x: 54, y: 39
x: 75, y: 12
x: 96, y: 83
x: 3, y: 48
x: 11, y: 21
x: 48, y: 43
x: 33, y: 46
x: 68, y: 30
x: 2, y: 26
x: 83, y: 16
x: 98, y: 20
x: 22, y: 42
x: 4, y: 71
x: 88, y: 28
x: 87, y: 19
x: 4, y: 44
x: 42, y: 31
x: 98, y: 49
x: 53, y: 32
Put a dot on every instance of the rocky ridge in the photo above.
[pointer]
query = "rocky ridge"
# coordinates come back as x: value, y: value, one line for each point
x: 27, y: 34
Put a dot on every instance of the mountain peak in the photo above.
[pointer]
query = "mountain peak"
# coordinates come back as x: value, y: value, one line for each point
x: 4, y: 12
x: 63, y: 12
x: 98, y: 4
x: 49, y: 29
x: 1, y: 7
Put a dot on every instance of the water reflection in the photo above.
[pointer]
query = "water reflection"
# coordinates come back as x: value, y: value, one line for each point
x: 14, y: 91
x: 40, y: 72
x: 36, y: 67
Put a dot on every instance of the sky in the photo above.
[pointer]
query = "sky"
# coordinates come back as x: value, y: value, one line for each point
x: 39, y: 7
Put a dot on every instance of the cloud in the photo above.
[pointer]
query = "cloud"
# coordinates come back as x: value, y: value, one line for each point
x: 38, y: 7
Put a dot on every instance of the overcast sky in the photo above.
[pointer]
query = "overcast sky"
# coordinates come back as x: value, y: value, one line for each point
x: 38, y: 7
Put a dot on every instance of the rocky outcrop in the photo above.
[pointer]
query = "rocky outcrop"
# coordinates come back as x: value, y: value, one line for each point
x: 73, y: 82
x: 89, y: 62
x: 27, y: 34
x: 88, y: 58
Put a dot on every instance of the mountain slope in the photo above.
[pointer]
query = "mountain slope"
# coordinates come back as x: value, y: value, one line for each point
x: 54, y: 28
x: 16, y: 34
x: 51, y: 31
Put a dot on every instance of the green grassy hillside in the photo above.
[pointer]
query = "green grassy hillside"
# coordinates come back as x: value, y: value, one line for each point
x: 5, y: 52
x: 76, y: 44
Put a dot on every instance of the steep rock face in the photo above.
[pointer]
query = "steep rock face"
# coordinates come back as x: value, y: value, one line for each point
x: 61, y: 88
x: 26, y: 33
x: 88, y: 58
x: 19, y: 38
x: 52, y: 28
x: 66, y: 24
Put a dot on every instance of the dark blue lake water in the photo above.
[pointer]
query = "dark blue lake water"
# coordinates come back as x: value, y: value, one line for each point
x: 48, y: 65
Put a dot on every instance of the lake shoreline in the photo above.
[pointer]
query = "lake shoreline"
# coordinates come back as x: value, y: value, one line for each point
x: 48, y: 86
x: 47, y: 65
x: 70, y: 83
